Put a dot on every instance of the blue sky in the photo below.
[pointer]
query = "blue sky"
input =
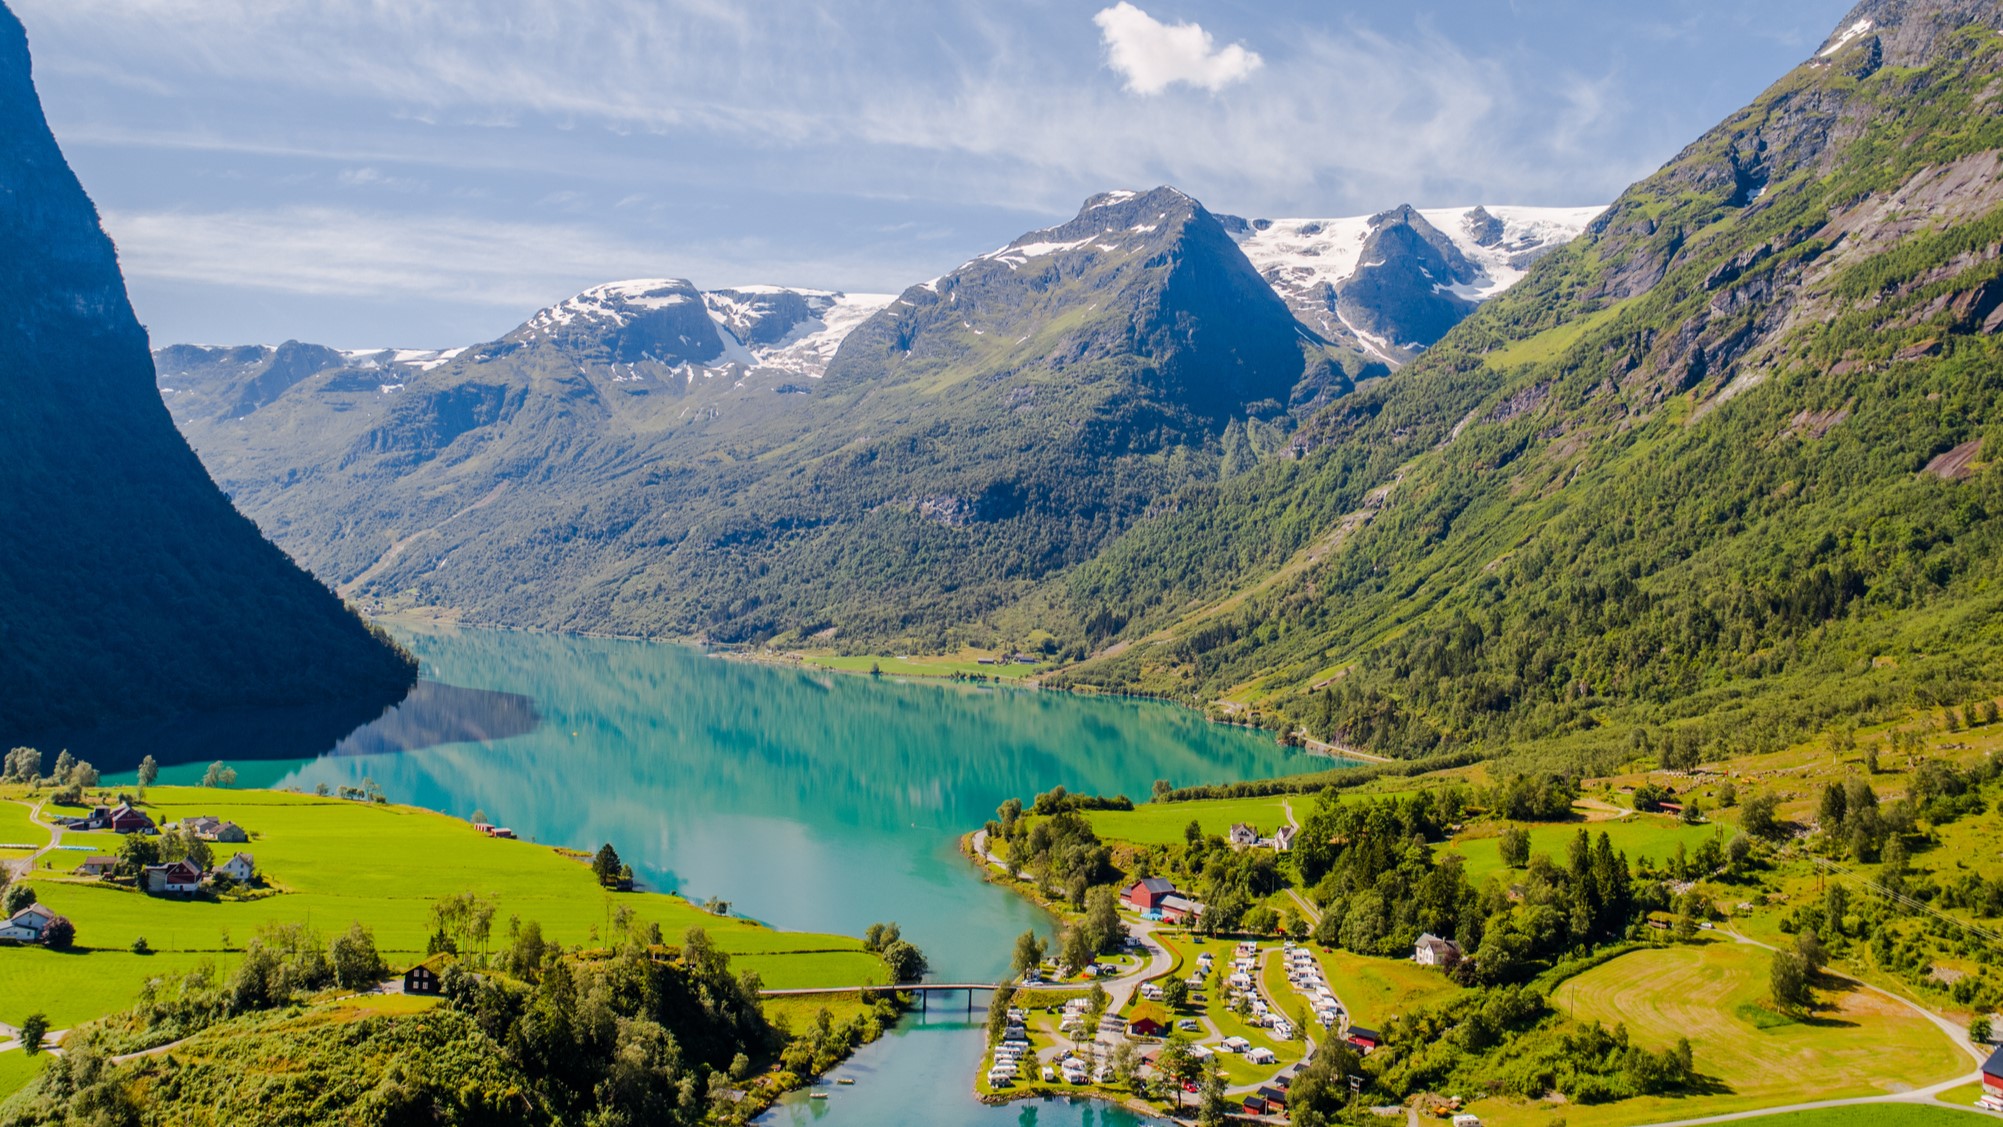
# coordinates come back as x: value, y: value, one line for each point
x: 425, y: 173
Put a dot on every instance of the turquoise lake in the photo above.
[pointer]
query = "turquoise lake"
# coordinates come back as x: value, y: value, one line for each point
x: 810, y: 800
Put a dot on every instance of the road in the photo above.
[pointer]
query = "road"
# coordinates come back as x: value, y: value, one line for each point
x: 21, y: 865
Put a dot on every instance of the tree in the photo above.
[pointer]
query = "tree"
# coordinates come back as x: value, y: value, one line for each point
x: 1788, y: 980
x: 1693, y: 812
x: 1102, y: 918
x: 1809, y: 946
x: 1212, y: 1109
x: 998, y: 1007
x: 136, y: 852
x: 23, y: 765
x: 59, y: 934
x: 1728, y: 794
x: 33, y: 1028
x: 219, y: 774
x: 65, y: 763
x: 1178, y: 1064
x: 605, y: 866
x: 1756, y: 817
x: 1175, y: 993
x: 1979, y: 1030
x: 149, y: 771
x: 1193, y: 832
x: 1029, y: 950
x: 1515, y: 846
x: 906, y: 962
x: 879, y: 936
x: 356, y: 962
x: 1078, y: 950
x: 17, y: 897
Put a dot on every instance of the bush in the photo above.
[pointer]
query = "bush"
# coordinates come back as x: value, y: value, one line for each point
x: 60, y: 934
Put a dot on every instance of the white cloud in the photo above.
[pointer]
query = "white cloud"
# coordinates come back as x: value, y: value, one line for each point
x: 1153, y: 56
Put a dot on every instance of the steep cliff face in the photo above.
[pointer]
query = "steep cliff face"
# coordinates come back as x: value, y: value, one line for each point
x: 128, y: 585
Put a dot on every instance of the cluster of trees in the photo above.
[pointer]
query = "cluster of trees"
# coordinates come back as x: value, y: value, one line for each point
x: 1057, y: 799
x: 905, y: 960
x: 610, y: 871
x: 1060, y: 850
x: 69, y: 775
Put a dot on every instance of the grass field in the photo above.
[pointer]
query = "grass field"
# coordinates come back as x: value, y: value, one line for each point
x: 1376, y: 990
x: 337, y: 861
x: 908, y: 666
x: 17, y: 1068
x: 1163, y: 823
x: 1871, y: 1115
x: 1653, y: 836
x: 16, y: 828
x: 1860, y: 1044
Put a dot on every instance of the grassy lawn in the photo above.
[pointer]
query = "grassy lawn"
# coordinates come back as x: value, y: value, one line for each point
x: 1163, y: 823
x: 1860, y: 1044
x: 17, y: 829
x: 910, y: 666
x: 17, y: 1068
x: 337, y: 861
x: 1870, y: 1115
x: 1653, y: 836
x: 1376, y: 990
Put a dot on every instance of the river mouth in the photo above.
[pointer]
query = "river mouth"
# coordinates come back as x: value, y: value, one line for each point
x: 810, y: 800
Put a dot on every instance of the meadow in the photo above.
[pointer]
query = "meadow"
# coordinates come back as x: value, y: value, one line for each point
x: 1164, y: 823
x: 1651, y: 836
x: 1859, y: 1043
x: 333, y: 862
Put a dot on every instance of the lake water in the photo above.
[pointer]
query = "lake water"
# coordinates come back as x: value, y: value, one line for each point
x: 810, y: 800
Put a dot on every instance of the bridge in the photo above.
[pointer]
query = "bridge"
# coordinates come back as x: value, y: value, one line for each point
x: 924, y: 990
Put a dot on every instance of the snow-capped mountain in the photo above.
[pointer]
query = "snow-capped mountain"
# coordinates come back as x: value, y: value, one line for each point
x: 1469, y: 255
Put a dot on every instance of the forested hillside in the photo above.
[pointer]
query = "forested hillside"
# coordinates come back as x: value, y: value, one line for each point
x: 1718, y: 472
x: 129, y: 588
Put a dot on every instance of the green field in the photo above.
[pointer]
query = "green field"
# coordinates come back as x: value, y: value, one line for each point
x: 913, y: 666
x: 335, y: 862
x: 1653, y: 836
x: 1870, y: 1115
x: 1376, y: 990
x: 1859, y: 1044
x: 16, y: 828
x: 1163, y: 823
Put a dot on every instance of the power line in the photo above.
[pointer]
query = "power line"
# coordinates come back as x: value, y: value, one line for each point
x: 1903, y: 900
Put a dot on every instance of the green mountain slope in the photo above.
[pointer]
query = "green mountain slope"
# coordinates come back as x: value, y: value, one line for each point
x: 129, y: 588
x: 1718, y: 471
x: 609, y: 467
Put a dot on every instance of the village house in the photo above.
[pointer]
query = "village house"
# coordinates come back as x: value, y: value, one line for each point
x: 1283, y: 839
x: 1243, y: 835
x: 125, y: 820
x: 98, y: 866
x: 241, y: 868
x: 29, y: 925
x: 1364, y: 1039
x: 1433, y: 951
x: 176, y: 877
x: 1146, y: 895
x: 1147, y: 1020
x: 428, y: 976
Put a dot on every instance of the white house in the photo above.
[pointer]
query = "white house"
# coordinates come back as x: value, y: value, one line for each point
x: 1261, y: 1055
x: 1242, y: 834
x: 241, y: 867
x: 28, y: 925
x: 1433, y: 951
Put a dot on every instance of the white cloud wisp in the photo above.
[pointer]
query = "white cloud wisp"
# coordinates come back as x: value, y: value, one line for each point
x: 1153, y: 56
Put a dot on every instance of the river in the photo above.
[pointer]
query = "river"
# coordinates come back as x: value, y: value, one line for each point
x: 809, y: 800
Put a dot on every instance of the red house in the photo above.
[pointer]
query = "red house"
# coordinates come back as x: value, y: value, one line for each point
x: 1992, y: 1080
x: 1364, y: 1039
x: 1147, y: 895
x: 124, y: 819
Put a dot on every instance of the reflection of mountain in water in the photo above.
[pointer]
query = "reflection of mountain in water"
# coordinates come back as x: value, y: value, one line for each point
x: 431, y: 714
x: 435, y: 713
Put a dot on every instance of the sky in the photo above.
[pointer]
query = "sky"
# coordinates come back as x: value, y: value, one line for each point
x: 428, y: 173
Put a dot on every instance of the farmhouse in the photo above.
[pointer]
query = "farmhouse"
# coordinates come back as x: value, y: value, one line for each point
x: 241, y: 868
x: 1242, y: 834
x: 1147, y: 895
x: 1992, y: 1081
x: 125, y: 820
x: 28, y: 925
x: 98, y: 866
x: 183, y: 876
x: 1283, y: 839
x: 1433, y: 951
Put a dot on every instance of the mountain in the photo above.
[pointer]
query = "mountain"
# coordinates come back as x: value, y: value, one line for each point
x: 129, y: 587
x: 1390, y: 285
x: 748, y: 463
x: 1720, y: 471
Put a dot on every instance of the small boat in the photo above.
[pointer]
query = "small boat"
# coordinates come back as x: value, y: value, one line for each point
x: 846, y: 1080
x: 818, y: 1096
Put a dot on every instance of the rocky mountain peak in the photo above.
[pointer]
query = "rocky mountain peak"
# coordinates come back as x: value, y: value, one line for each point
x: 659, y: 319
x: 1902, y: 33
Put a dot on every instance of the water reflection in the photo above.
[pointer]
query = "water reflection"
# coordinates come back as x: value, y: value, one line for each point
x: 812, y: 800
